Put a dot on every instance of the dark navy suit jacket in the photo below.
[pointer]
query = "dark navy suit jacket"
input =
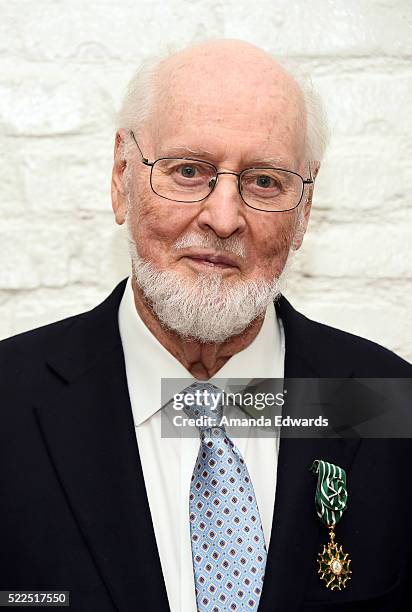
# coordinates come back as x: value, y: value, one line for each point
x: 74, y: 513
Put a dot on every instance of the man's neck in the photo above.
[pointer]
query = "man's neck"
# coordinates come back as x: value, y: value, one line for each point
x: 202, y: 360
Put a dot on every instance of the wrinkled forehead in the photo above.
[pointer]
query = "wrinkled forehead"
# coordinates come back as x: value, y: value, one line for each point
x: 247, y: 99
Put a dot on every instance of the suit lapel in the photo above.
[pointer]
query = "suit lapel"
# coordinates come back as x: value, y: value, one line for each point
x: 296, y: 532
x: 89, y: 432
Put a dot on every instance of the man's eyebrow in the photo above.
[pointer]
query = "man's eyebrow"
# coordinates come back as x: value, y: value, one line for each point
x: 272, y: 160
x: 185, y: 151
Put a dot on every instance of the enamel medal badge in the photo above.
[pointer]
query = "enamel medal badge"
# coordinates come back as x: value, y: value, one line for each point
x: 331, y: 502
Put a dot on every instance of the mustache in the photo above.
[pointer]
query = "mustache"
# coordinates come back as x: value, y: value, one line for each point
x: 233, y: 244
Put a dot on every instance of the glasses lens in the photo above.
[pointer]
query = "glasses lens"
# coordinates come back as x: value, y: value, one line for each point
x: 271, y: 189
x: 183, y: 180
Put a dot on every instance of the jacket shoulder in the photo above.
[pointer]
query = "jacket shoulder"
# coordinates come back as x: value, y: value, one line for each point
x: 83, y: 333
x: 22, y: 355
x: 333, y: 351
x: 368, y: 358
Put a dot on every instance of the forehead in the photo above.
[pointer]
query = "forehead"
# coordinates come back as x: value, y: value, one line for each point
x: 232, y: 105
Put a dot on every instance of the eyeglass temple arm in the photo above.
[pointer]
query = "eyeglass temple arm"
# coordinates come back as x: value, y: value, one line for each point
x: 144, y: 159
x: 310, y: 180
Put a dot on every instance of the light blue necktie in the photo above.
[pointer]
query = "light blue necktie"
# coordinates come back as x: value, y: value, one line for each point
x: 228, y: 547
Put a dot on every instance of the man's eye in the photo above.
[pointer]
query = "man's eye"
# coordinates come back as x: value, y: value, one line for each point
x: 265, y: 181
x: 187, y: 171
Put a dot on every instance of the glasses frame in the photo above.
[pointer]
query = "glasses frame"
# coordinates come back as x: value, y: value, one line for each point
x: 239, y: 175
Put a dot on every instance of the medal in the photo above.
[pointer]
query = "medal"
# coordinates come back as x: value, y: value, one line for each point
x: 330, y: 501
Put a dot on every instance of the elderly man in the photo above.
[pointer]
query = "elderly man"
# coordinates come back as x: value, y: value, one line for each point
x: 216, y: 155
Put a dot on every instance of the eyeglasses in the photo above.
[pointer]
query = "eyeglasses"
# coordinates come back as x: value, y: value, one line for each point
x: 183, y: 179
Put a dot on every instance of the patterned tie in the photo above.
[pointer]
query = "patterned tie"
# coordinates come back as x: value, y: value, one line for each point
x: 228, y: 547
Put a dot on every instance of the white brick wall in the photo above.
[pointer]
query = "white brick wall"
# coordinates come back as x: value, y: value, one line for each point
x: 63, y: 68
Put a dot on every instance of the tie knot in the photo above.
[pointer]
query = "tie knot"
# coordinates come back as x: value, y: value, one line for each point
x: 203, y: 401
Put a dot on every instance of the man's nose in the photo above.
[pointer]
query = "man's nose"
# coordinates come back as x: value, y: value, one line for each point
x: 223, y: 210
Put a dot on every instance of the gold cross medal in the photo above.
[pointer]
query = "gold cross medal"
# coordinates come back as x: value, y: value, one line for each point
x: 331, y: 502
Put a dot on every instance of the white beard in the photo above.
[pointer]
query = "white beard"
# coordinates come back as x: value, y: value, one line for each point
x: 207, y: 309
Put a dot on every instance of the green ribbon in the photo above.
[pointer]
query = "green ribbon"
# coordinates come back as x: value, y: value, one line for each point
x: 331, y: 493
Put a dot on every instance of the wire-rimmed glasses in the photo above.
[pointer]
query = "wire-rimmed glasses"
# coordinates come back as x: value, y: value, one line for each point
x: 185, y: 179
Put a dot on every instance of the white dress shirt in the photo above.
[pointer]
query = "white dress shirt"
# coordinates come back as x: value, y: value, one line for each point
x: 168, y: 463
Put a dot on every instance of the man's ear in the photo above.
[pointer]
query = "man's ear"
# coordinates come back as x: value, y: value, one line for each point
x: 118, y: 187
x: 303, y: 219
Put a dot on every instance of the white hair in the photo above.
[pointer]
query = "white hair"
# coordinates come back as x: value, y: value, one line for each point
x: 144, y: 90
x: 206, y: 309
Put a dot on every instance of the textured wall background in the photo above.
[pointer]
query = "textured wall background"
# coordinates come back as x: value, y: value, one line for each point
x: 63, y: 68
